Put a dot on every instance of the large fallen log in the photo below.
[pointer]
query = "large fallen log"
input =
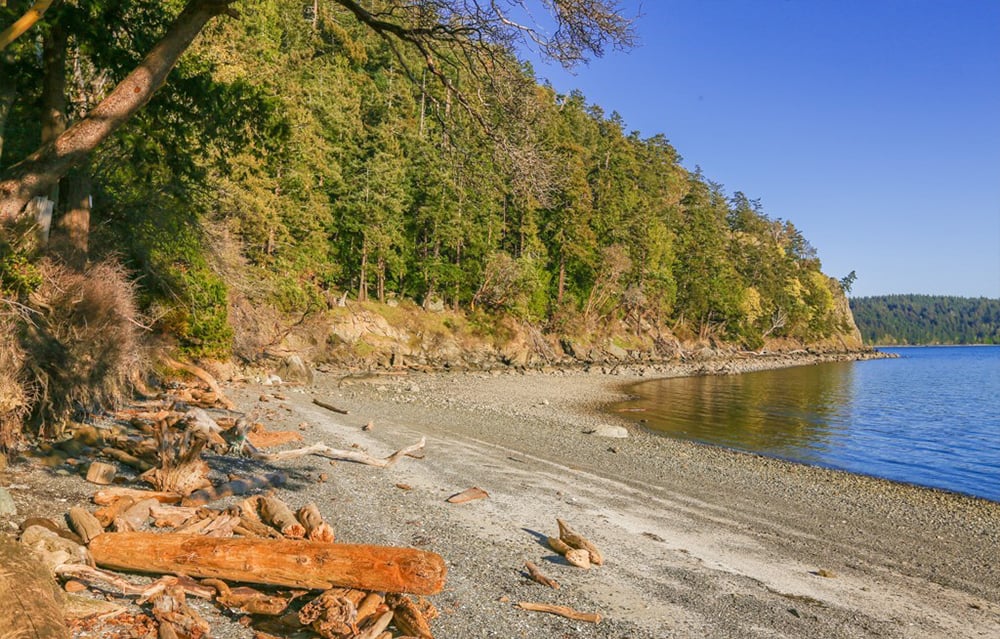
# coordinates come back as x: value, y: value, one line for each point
x: 322, y: 450
x: 276, y: 562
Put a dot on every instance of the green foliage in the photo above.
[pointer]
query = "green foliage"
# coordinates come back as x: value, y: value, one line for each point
x: 19, y: 274
x: 290, y: 158
x: 927, y: 319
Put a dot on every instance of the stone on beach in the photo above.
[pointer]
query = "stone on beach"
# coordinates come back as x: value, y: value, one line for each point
x: 607, y: 430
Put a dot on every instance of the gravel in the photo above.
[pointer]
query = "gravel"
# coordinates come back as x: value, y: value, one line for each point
x: 699, y: 541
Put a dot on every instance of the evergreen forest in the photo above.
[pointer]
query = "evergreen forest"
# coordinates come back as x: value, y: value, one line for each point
x: 927, y: 319
x: 301, y: 155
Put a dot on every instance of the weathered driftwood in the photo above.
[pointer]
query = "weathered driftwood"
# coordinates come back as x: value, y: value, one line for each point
x: 127, y: 458
x: 239, y: 486
x: 329, y: 407
x: 372, y: 604
x: 101, y: 473
x: 578, y: 557
x: 168, y: 516
x: 333, y: 613
x: 536, y: 575
x: 181, y: 468
x: 562, y: 611
x: 316, y: 529
x: 272, y: 438
x: 248, y: 600
x: 137, y: 514
x: 111, y: 494
x: 107, y: 514
x: 408, y: 618
x: 277, y: 513
x: 97, y: 578
x: 375, y: 630
x: 558, y: 545
x: 31, y: 603
x: 201, y: 374
x: 172, y: 611
x: 322, y: 450
x: 467, y: 495
x: 576, y: 540
x: 278, y: 562
x: 84, y: 523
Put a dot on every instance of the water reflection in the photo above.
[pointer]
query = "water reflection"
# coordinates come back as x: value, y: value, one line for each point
x: 930, y: 417
x: 795, y: 413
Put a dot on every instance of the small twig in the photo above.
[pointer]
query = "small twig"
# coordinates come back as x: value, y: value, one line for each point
x: 329, y: 406
x: 562, y: 611
x: 536, y: 575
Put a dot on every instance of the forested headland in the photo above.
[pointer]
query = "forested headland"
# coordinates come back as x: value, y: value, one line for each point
x: 304, y: 157
x: 927, y: 319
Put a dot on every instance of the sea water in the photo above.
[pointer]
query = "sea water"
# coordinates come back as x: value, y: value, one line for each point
x: 930, y: 417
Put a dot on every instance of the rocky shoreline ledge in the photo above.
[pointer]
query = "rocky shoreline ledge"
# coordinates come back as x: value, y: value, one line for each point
x: 698, y: 541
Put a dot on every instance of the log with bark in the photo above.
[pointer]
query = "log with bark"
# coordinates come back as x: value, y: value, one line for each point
x: 278, y: 562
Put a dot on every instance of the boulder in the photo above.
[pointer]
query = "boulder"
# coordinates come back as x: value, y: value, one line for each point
x: 607, y: 430
x: 7, y: 505
x: 616, y: 351
x: 293, y: 369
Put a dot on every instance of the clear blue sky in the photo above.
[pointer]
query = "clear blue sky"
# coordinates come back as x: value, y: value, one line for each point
x: 873, y: 125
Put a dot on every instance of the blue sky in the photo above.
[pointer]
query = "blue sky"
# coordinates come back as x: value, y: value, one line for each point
x: 873, y: 125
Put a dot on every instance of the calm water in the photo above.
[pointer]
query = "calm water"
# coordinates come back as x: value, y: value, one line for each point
x: 931, y: 417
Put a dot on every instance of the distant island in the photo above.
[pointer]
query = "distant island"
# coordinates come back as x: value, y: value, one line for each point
x: 927, y: 319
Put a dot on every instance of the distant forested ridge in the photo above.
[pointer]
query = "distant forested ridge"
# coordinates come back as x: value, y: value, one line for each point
x: 927, y: 319
x: 297, y: 160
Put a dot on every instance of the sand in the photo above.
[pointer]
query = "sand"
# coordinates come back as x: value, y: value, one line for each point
x: 698, y: 541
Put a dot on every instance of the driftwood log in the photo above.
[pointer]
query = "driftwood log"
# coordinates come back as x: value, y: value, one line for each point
x: 277, y: 562
x: 316, y: 529
x: 322, y: 450
x: 201, y: 374
x: 578, y: 541
x: 277, y: 513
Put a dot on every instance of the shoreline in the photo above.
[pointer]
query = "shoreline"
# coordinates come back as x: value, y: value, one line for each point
x: 699, y: 541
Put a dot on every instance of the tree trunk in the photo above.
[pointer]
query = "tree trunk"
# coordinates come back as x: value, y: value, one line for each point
x: 54, y: 85
x: 291, y: 563
x: 37, y: 173
x: 71, y: 234
x: 363, y: 284
x: 25, y: 22
x: 7, y: 95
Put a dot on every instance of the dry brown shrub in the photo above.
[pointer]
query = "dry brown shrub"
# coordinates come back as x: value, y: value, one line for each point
x: 84, y: 342
x: 16, y: 391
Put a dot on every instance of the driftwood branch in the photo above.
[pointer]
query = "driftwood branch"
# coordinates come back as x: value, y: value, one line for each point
x: 536, y: 575
x: 322, y: 450
x: 329, y: 407
x: 201, y: 374
x: 562, y: 611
